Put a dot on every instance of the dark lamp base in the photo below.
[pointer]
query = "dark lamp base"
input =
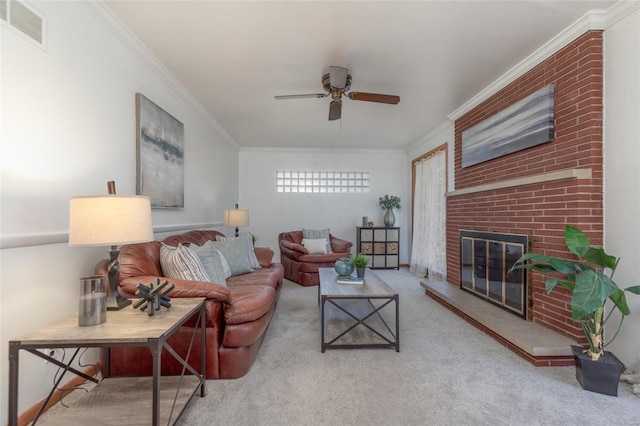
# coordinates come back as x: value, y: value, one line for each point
x: 117, y: 303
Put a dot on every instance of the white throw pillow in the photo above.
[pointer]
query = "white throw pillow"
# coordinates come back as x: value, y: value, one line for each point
x: 182, y: 263
x: 315, y: 246
x: 313, y: 234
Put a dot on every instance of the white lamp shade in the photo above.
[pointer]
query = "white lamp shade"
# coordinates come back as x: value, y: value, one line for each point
x: 109, y: 220
x: 236, y: 218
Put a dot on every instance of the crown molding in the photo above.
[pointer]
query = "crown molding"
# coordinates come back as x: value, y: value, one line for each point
x: 443, y: 127
x: 592, y: 20
x: 111, y: 22
x: 619, y: 11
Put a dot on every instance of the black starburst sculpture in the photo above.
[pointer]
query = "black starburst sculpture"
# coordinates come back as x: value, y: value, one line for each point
x: 153, y: 298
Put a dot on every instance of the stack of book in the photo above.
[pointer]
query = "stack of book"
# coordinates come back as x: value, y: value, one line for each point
x: 350, y: 280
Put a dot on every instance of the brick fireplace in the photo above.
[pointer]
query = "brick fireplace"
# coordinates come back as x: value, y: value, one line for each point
x: 537, y: 191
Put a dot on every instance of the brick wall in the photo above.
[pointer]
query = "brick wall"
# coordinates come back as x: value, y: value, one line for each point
x: 540, y: 210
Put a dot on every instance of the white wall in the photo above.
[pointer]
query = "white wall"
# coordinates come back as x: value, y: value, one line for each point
x: 68, y: 126
x: 272, y: 212
x: 622, y: 173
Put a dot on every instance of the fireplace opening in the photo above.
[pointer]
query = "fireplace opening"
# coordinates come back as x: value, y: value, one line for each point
x: 485, y: 259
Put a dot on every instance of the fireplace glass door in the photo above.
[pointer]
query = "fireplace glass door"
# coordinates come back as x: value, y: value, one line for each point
x: 485, y: 261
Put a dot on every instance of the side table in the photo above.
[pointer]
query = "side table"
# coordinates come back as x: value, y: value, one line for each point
x: 127, y: 327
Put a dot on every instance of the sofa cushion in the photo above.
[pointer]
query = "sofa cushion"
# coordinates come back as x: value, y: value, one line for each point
x: 315, y: 246
x: 247, y: 333
x: 211, y: 260
x: 255, y: 264
x: 264, y: 276
x: 182, y: 263
x: 235, y: 252
x: 248, y: 303
x: 314, y: 234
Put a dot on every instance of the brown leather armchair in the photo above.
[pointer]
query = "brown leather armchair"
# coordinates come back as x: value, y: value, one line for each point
x: 302, y: 267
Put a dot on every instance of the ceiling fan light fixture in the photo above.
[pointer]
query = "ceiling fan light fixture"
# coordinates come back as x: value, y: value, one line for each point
x: 326, y: 83
x: 338, y: 77
x: 336, y: 83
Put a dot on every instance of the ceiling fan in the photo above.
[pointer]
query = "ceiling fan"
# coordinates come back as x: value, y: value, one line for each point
x: 336, y: 83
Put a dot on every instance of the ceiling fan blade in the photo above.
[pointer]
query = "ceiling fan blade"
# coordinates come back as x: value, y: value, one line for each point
x: 309, y: 95
x: 338, y: 77
x: 374, y: 97
x: 335, y: 110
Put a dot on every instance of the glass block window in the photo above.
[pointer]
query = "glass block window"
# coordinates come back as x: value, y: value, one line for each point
x: 322, y: 182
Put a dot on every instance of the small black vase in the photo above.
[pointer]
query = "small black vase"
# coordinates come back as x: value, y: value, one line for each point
x: 360, y: 272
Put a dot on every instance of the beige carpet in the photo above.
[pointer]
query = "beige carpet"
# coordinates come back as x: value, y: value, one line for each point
x: 446, y: 373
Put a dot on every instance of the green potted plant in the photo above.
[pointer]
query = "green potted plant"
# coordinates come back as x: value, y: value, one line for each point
x: 389, y: 202
x: 589, y: 279
x: 360, y: 261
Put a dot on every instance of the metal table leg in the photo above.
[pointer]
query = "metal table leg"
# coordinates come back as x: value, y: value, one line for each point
x: 14, y: 350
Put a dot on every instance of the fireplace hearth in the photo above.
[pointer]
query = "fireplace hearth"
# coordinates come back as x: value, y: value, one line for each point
x: 485, y: 259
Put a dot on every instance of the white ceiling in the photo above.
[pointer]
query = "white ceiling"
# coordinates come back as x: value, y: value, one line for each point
x: 234, y: 56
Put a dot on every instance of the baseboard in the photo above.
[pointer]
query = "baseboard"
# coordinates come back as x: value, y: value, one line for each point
x: 30, y: 413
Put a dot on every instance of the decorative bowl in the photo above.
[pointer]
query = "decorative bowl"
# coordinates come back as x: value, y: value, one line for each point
x: 344, y: 267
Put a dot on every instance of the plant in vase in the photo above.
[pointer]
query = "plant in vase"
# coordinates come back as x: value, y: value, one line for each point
x: 589, y: 279
x: 360, y: 261
x: 389, y: 202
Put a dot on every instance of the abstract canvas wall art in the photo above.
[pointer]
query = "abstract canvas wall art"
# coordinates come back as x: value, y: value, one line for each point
x: 159, y: 155
x: 526, y: 123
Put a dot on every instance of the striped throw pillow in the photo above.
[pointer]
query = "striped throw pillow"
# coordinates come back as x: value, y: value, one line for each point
x: 182, y: 263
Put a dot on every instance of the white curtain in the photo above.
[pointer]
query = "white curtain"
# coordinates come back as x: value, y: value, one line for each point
x: 428, y: 252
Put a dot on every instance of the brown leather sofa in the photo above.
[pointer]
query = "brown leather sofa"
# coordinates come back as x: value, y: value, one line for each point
x: 237, y: 316
x: 302, y: 267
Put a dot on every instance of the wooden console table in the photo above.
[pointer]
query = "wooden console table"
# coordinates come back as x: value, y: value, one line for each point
x: 127, y: 327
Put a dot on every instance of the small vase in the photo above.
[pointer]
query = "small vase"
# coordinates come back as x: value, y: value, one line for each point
x: 344, y: 267
x: 389, y: 218
x: 360, y: 272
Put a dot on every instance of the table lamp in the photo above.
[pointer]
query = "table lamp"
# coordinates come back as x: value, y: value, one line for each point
x: 236, y: 218
x: 110, y: 220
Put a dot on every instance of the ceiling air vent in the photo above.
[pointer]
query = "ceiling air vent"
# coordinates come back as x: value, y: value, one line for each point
x: 23, y: 19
